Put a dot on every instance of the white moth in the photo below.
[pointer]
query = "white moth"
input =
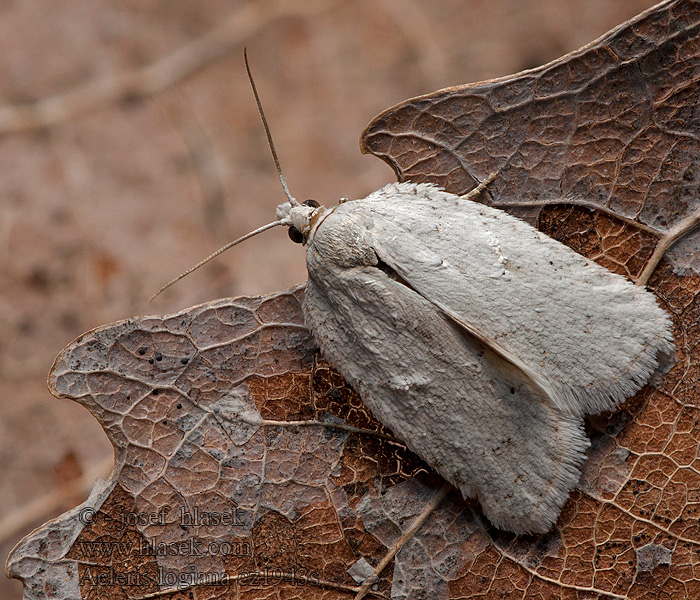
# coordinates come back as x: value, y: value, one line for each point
x: 478, y: 340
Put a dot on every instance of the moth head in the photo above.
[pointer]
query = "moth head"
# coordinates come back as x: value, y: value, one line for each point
x: 301, y: 218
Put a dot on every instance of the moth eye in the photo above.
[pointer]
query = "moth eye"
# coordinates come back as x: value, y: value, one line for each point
x: 296, y: 236
x: 311, y: 203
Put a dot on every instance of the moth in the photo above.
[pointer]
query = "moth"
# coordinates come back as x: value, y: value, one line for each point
x: 478, y: 340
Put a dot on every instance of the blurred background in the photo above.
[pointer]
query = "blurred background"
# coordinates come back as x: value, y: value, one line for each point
x: 130, y: 148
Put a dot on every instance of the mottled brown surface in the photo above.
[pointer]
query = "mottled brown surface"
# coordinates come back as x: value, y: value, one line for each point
x: 613, y: 126
x: 98, y: 211
x: 160, y: 389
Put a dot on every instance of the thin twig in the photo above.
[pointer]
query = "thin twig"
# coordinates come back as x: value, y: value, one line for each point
x: 473, y: 193
x: 160, y: 75
x: 204, y: 162
x: 408, y: 534
x: 665, y: 242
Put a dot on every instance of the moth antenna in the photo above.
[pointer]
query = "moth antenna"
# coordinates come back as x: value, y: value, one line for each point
x: 283, y: 181
x: 219, y: 251
x: 480, y: 187
x: 270, y: 143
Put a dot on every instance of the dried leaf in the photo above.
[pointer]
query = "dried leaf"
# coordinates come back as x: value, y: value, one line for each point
x: 236, y: 453
x: 223, y: 412
x: 612, y: 127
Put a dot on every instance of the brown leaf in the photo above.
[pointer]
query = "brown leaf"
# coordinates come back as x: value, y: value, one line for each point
x: 240, y: 456
x: 612, y: 127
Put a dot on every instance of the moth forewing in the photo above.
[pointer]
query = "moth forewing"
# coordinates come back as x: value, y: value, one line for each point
x: 587, y: 336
